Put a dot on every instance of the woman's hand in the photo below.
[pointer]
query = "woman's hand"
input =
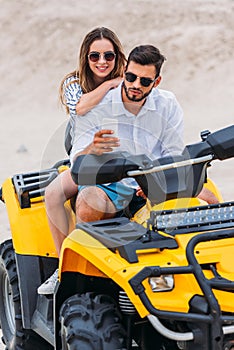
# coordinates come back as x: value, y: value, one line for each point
x: 92, y: 98
x: 114, y: 83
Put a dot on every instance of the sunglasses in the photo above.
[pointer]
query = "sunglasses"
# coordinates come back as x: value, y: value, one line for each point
x: 95, y: 56
x: 131, y: 77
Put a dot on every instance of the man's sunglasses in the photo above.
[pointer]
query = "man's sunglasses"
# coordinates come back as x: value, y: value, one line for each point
x: 131, y: 77
x: 95, y: 56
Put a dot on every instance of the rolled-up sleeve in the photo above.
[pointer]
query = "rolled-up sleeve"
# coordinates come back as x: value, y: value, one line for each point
x: 72, y: 94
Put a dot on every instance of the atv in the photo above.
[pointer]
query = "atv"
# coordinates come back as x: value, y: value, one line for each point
x: 163, y: 279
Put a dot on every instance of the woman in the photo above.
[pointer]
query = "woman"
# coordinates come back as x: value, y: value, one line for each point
x: 101, y: 67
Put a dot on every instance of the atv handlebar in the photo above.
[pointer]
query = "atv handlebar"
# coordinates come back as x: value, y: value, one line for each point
x: 175, y: 165
x: 161, y: 179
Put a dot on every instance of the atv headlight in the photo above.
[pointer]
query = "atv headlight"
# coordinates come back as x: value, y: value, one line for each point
x: 162, y: 283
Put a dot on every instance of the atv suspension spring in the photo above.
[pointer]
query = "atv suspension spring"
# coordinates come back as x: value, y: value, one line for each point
x: 125, y: 304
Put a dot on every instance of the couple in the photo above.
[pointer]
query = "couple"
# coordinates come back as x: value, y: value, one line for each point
x: 150, y: 121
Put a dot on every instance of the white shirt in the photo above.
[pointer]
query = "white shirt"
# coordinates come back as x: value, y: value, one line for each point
x: 157, y: 130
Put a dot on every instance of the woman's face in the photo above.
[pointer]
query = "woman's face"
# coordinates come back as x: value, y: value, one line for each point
x: 101, y: 58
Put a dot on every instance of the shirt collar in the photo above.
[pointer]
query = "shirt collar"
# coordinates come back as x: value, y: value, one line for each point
x: 118, y: 106
x: 117, y: 103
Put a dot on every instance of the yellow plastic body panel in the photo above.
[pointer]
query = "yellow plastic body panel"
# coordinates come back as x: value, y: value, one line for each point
x: 92, y: 258
x: 109, y: 264
x: 29, y: 226
x: 82, y: 253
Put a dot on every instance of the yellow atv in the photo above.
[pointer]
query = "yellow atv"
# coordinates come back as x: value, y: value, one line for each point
x: 162, y: 280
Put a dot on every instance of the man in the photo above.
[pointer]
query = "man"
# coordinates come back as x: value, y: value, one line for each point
x: 150, y: 121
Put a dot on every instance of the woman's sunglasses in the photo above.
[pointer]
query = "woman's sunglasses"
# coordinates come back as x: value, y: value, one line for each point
x: 95, y: 56
x: 131, y: 77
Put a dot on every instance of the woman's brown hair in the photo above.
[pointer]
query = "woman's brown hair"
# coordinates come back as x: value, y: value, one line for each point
x: 83, y: 75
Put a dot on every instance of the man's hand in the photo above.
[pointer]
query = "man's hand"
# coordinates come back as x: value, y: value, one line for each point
x: 103, y: 143
x: 140, y: 193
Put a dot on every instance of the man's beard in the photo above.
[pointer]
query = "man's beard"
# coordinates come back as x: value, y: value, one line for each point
x: 135, y: 98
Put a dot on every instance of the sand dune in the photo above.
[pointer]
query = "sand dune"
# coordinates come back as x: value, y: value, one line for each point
x: 39, y: 44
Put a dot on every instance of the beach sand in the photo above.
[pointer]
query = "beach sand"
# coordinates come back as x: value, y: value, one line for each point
x: 40, y: 41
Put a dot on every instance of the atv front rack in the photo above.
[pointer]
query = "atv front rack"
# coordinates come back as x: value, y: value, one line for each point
x: 127, y: 237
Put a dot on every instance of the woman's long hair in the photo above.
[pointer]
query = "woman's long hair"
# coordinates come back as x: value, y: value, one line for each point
x: 83, y: 75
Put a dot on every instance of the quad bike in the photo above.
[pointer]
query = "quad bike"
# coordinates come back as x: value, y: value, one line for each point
x: 162, y: 280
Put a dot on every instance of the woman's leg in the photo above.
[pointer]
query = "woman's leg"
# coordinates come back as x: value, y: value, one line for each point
x: 57, y: 193
x: 92, y: 205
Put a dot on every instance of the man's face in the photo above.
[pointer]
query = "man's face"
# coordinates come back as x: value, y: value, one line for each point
x: 135, y: 90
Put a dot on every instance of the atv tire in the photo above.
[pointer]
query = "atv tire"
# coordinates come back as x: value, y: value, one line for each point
x: 91, y: 322
x: 15, y: 337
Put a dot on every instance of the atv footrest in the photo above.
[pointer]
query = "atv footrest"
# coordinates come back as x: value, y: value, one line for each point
x: 127, y: 237
x: 42, y: 321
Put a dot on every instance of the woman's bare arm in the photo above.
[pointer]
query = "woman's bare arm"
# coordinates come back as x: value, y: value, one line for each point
x: 92, y: 98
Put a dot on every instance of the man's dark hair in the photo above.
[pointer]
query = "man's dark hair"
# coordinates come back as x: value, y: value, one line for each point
x: 146, y: 55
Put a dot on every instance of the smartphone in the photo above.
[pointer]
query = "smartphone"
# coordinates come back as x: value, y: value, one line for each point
x: 110, y: 124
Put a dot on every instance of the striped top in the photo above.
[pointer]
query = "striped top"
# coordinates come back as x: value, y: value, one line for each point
x: 72, y: 94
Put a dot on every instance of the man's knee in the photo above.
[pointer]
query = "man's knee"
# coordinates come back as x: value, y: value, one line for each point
x: 92, y: 203
x: 87, y: 201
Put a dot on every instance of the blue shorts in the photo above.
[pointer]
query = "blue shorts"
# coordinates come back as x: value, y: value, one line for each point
x: 124, y: 198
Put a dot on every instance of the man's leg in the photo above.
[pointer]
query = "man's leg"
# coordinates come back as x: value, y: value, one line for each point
x: 93, y: 204
x: 208, y: 196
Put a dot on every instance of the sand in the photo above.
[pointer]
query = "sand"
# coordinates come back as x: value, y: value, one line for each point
x: 39, y: 45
